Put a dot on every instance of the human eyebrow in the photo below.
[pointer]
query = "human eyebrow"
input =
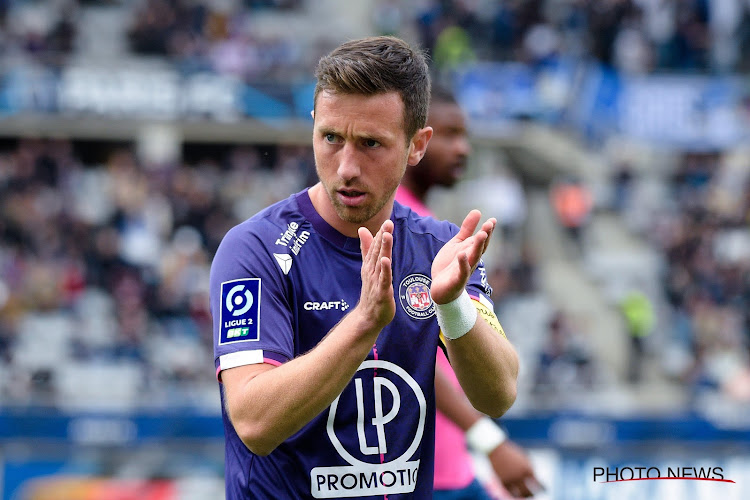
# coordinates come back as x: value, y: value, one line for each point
x: 380, y: 136
x: 324, y: 132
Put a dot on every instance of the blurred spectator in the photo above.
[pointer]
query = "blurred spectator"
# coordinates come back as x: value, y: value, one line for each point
x: 565, y: 363
x: 153, y: 25
x: 541, y: 44
x: 622, y: 185
x: 452, y: 49
x: 638, y: 313
x: 573, y: 203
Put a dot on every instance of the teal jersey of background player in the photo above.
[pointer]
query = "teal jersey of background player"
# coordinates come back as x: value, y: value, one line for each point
x: 279, y: 282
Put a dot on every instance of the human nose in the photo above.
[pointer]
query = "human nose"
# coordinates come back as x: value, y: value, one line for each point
x: 463, y: 146
x: 348, y: 165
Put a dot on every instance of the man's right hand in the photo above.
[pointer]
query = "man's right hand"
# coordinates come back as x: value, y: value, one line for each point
x: 376, y: 300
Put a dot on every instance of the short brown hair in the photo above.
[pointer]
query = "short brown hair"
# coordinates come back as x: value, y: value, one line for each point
x: 376, y: 65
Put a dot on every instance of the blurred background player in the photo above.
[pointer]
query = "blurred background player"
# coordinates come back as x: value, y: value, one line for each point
x: 457, y: 421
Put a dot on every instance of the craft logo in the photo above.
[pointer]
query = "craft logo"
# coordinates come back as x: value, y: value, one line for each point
x: 338, y: 305
x: 414, y: 293
x: 621, y: 474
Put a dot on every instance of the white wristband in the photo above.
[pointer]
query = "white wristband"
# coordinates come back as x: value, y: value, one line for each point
x: 484, y: 436
x: 456, y: 317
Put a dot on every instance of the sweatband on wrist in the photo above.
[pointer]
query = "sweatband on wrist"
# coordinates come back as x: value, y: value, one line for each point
x: 484, y: 436
x: 456, y: 317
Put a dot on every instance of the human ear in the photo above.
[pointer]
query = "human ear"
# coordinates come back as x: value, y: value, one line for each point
x: 418, y: 145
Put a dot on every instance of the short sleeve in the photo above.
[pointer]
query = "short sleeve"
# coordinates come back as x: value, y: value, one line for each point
x: 478, y: 286
x: 252, y: 318
x: 480, y: 290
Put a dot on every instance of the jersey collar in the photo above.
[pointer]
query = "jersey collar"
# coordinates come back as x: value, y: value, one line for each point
x: 322, y: 227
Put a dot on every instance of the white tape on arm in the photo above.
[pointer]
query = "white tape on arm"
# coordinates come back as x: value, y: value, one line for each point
x: 456, y: 317
x: 484, y: 436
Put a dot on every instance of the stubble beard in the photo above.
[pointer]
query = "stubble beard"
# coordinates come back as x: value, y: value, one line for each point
x: 356, y: 215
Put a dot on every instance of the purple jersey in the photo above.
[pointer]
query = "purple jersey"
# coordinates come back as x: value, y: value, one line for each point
x: 280, y: 282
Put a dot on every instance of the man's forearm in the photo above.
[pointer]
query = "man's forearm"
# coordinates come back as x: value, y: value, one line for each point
x: 266, y: 406
x: 486, y: 365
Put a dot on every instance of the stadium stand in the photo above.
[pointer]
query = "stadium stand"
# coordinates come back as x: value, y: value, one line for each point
x: 133, y: 134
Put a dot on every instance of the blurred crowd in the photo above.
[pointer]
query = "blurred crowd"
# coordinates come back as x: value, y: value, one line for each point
x: 194, y: 36
x: 633, y: 36
x: 198, y: 36
x: 104, y: 268
x: 704, y: 236
x: 104, y: 264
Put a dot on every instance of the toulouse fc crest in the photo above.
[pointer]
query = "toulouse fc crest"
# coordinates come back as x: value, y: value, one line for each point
x: 414, y: 293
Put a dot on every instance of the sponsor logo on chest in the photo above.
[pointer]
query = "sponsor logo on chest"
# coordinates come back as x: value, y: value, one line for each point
x: 337, y: 305
x: 291, y: 239
x: 381, y: 443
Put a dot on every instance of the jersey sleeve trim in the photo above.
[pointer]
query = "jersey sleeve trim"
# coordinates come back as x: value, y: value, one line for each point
x: 253, y: 357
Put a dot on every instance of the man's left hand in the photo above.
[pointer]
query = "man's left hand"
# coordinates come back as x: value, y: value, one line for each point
x: 458, y: 258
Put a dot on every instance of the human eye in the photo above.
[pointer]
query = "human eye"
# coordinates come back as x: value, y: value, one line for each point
x: 331, y: 138
x: 371, y: 143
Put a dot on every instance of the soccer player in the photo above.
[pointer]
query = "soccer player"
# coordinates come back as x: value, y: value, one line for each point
x: 329, y: 306
x: 443, y: 164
